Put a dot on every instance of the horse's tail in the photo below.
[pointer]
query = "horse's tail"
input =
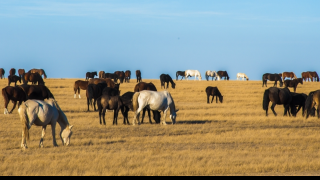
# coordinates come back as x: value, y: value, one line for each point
x: 90, y: 94
x: 50, y: 95
x: 317, y: 76
x: 294, y: 75
x: 44, y: 74
x: 24, y: 120
x: 266, y: 99
x: 135, y: 103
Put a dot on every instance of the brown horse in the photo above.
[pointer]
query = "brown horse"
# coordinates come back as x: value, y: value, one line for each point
x: 102, y: 74
x: 12, y: 72
x: 223, y: 74
x: 290, y: 75
x: 40, y: 71
x: 213, y: 91
x: 15, y: 94
x: 2, y: 73
x: 276, y: 96
x: 313, y: 100
x: 79, y: 84
x: 33, y: 78
x: 313, y: 76
x: 293, y: 83
x: 94, y: 91
x: 127, y: 76
x: 14, y: 79
x: 138, y: 75
x: 39, y: 92
x: 151, y: 87
x: 105, y: 102
x: 120, y: 75
x: 108, y: 81
x: 21, y: 72
x: 305, y: 76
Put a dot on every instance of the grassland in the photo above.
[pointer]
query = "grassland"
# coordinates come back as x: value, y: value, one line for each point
x: 230, y: 138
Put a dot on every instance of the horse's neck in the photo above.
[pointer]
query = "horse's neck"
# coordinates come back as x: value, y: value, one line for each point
x: 62, y: 120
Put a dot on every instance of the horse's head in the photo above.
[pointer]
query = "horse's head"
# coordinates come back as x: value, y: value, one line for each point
x: 221, y: 99
x: 66, y: 135
x: 173, y: 116
x: 173, y: 85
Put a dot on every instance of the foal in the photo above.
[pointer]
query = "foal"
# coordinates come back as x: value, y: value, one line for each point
x: 213, y: 91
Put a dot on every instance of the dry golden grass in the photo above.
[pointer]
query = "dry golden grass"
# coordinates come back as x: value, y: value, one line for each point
x: 232, y: 138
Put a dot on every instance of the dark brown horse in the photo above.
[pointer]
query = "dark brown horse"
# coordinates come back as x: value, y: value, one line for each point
x: 94, y: 91
x: 138, y: 75
x: 112, y: 76
x: 39, y: 71
x: 293, y: 83
x: 14, y: 79
x: 277, y: 96
x: 40, y: 92
x: 14, y: 94
x: 79, y: 84
x: 102, y: 74
x: 313, y: 100
x: 298, y: 100
x: 120, y: 75
x: 34, y: 78
x: 313, y: 76
x: 305, y: 76
x: 91, y: 75
x: 105, y: 102
x: 2, y: 73
x: 223, y: 74
x: 127, y: 106
x: 108, y: 81
x: 12, y: 72
x: 213, y: 91
x: 151, y: 87
x: 165, y: 78
x: 180, y: 73
x: 127, y: 76
x: 271, y: 77
x: 290, y: 75
x: 21, y: 72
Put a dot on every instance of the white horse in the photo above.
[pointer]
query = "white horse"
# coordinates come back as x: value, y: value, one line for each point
x: 242, y: 75
x: 194, y: 73
x: 42, y: 113
x: 212, y: 74
x: 154, y: 100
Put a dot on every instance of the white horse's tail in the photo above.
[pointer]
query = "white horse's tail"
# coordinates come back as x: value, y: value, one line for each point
x: 24, y: 120
x: 135, y: 103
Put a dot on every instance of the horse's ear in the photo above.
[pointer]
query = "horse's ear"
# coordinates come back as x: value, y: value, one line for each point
x: 177, y: 110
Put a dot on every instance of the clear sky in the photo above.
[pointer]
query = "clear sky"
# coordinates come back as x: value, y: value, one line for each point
x: 68, y: 38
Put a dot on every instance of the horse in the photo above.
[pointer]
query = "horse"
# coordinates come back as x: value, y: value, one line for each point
x: 102, y: 74
x: 138, y: 75
x: 298, y: 99
x: 12, y: 72
x: 213, y: 91
x: 305, y: 76
x: 180, y: 73
x: 290, y: 75
x: 155, y: 101
x: 120, y: 75
x: 111, y: 76
x: 42, y: 113
x: 277, y: 96
x: 2, y: 71
x: 194, y: 73
x: 223, y: 74
x: 15, y: 94
x: 127, y: 76
x: 243, y: 76
x: 212, y: 74
x: 271, y: 77
x: 293, y: 83
x: 108, y: 81
x: 39, y: 92
x: 33, y: 78
x: 147, y: 86
x: 313, y: 100
x: 21, y: 72
x: 165, y: 78
x: 109, y: 102
x: 94, y: 91
x: 14, y: 79
x: 79, y: 84
x: 40, y: 71
x: 91, y: 75
x: 313, y: 76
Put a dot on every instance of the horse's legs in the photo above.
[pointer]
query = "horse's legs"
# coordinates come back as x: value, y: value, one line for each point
x: 42, y: 135
x: 212, y: 98
x: 104, y: 109
x: 286, y: 108
x: 216, y: 99
x: 115, y: 115
x: 164, y: 116
x: 53, y: 128
x: 14, y: 106
x: 272, y: 108
x: 208, y: 99
x: 88, y: 103
x: 167, y: 85
x: 24, y: 142
x: 143, y: 113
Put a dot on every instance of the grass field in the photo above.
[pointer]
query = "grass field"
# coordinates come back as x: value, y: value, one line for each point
x: 230, y: 138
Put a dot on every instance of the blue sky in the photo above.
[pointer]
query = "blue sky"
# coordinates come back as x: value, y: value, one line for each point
x: 68, y: 38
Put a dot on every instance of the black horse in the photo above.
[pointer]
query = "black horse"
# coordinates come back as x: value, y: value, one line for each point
x: 180, y: 73
x: 165, y: 78
x: 14, y: 78
x: 112, y: 76
x: 94, y: 91
x: 138, y: 75
x: 293, y: 83
x: 91, y: 74
x: 213, y: 91
x: 271, y: 77
x: 277, y: 96
x: 298, y: 101
x: 40, y: 92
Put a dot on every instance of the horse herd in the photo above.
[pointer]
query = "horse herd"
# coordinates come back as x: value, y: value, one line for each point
x: 105, y: 93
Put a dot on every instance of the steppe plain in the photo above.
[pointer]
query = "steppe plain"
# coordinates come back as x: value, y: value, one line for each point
x: 230, y: 138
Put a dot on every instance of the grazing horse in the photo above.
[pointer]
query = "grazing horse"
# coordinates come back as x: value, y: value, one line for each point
x: 271, y: 77
x: 108, y: 81
x: 127, y: 76
x: 305, y: 76
x: 223, y: 74
x: 213, y: 91
x: 290, y: 75
x: 109, y: 102
x: 91, y: 75
x: 33, y: 78
x: 120, y: 75
x: 165, y: 78
x: 102, y: 74
x: 40, y: 71
x: 293, y: 83
x: 212, y: 74
x: 79, y: 84
x: 14, y: 79
x: 2, y: 73
x: 180, y: 73
x: 277, y: 96
x: 313, y: 100
x: 15, y: 94
x: 42, y: 113
x: 298, y: 99
x: 243, y: 76
x: 155, y: 101
x: 94, y: 91
x: 313, y: 76
x: 12, y: 72
x: 39, y: 92
x: 111, y: 76
x: 194, y: 73
x: 138, y: 75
